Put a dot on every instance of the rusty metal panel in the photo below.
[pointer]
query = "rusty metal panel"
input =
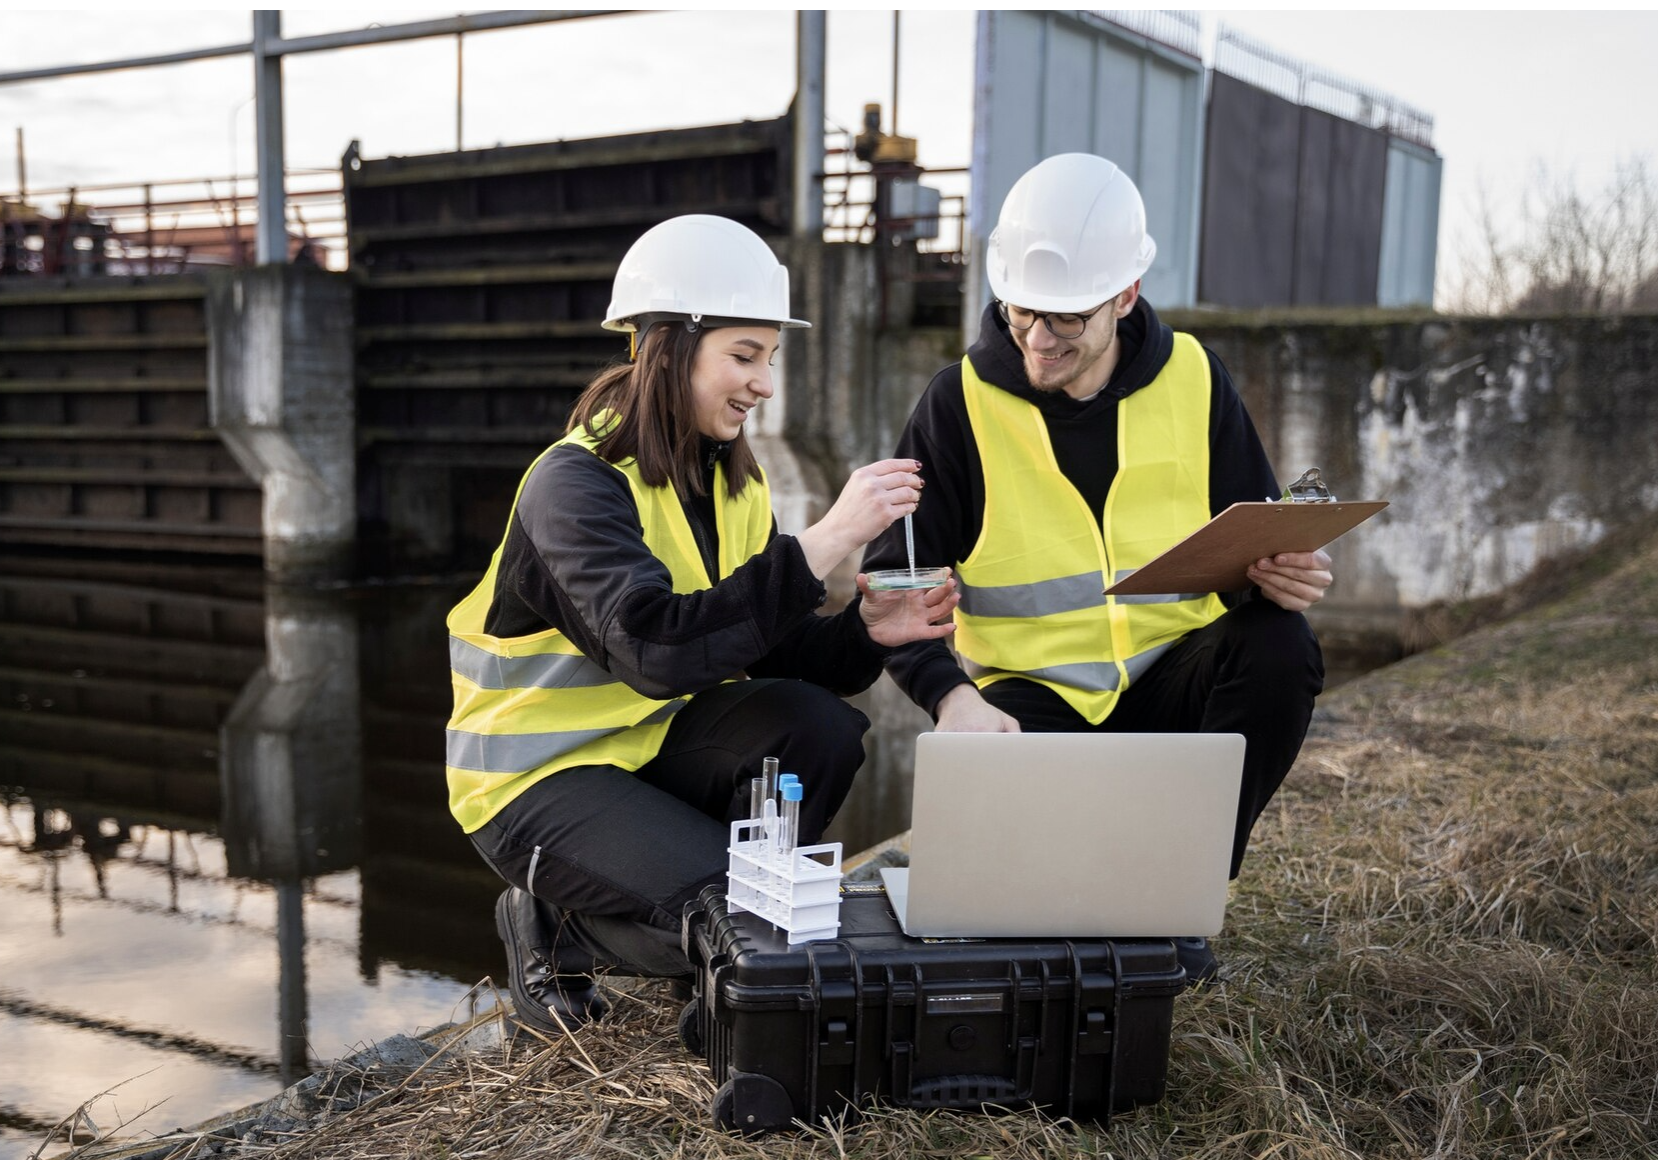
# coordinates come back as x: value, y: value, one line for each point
x: 105, y: 437
x: 483, y: 278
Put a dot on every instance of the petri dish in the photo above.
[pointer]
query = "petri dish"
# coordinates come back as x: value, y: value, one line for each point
x: 893, y: 579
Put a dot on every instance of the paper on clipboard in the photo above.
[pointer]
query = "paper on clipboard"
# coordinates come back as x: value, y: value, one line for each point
x: 1216, y: 557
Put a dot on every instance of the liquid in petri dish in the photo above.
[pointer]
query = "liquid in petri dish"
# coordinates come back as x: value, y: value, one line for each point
x: 894, y: 579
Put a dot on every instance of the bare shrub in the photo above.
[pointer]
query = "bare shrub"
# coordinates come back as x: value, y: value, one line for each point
x: 1569, y: 251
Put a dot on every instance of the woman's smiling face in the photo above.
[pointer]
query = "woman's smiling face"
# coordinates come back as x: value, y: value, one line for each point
x: 730, y: 375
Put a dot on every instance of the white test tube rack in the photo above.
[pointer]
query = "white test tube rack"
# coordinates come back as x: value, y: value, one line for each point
x: 797, y: 891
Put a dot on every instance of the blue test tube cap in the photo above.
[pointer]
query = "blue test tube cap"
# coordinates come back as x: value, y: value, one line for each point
x: 792, y: 791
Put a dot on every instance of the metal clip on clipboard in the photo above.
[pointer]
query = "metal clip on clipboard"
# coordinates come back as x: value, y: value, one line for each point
x: 1216, y: 557
x: 1310, y: 488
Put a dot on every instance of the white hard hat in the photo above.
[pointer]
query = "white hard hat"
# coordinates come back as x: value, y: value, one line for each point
x: 700, y: 266
x: 1072, y: 234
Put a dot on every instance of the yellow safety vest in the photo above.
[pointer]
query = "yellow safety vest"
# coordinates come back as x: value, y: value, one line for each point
x: 1032, y: 604
x: 529, y: 706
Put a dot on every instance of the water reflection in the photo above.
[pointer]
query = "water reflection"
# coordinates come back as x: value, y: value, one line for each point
x: 224, y: 853
x: 290, y: 768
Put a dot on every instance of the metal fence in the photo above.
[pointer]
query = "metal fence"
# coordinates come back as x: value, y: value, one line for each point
x: 165, y: 227
x: 1254, y: 63
x: 1180, y: 31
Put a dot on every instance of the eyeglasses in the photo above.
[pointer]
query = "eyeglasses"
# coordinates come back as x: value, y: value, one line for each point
x: 1059, y: 325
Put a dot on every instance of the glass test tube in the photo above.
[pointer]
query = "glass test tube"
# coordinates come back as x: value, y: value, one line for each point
x: 789, y: 829
x: 768, y: 827
x: 768, y: 774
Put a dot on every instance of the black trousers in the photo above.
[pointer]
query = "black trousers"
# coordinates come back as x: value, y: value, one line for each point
x: 1255, y: 670
x: 612, y: 857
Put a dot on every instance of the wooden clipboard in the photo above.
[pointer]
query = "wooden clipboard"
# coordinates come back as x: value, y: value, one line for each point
x: 1216, y: 557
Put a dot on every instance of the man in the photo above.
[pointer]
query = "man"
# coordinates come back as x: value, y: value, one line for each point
x: 1078, y: 439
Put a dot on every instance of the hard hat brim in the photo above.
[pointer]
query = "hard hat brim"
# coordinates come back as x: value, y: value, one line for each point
x: 626, y: 325
x: 1052, y: 304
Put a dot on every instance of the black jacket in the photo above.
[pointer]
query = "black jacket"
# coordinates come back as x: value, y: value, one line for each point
x: 1084, y: 438
x: 575, y: 559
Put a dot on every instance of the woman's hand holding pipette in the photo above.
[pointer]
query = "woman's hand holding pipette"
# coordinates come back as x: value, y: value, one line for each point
x: 874, y: 496
x: 899, y: 616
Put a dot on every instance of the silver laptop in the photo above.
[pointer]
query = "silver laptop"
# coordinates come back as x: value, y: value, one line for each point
x: 1054, y: 835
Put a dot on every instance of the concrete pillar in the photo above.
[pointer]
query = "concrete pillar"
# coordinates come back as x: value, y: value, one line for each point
x: 281, y: 397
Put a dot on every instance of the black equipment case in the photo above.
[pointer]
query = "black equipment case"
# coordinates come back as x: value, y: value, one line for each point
x: 1077, y: 1026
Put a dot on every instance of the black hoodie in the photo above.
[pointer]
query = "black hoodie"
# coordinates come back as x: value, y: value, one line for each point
x: 1084, y: 438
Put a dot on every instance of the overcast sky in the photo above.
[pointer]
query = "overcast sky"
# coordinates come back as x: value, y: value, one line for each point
x: 1508, y: 91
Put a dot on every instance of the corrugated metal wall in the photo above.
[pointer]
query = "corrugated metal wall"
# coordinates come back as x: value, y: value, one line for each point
x: 1057, y: 82
x: 1292, y: 202
x: 1410, y: 225
x: 1287, y: 187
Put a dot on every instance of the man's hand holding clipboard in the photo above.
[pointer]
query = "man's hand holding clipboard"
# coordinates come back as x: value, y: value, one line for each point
x: 1216, y: 557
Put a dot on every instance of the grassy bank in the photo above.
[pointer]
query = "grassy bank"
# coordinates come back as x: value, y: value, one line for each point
x: 1443, y: 945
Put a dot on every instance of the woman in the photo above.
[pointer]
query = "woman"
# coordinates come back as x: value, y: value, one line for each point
x: 604, y: 734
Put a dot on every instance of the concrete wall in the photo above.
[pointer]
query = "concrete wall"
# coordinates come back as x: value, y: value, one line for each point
x: 1501, y: 443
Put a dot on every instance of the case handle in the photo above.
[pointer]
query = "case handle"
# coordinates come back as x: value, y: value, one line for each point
x: 958, y: 1091
x: 966, y: 1091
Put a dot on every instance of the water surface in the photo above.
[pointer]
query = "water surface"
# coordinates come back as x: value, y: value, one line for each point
x: 225, y: 853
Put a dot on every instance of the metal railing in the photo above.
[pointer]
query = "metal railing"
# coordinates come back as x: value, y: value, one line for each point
x: 1181, y: 31
x: 165, y: 227
x: 850, y: 204
x: 1252, y: 62
x: 184, y: 224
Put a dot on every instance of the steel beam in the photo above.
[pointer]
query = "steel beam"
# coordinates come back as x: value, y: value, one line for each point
x: 478, y: 22
x: 449, y: 26
x: 272, y: 238
x: 810, y: 38
x: 71, y: 70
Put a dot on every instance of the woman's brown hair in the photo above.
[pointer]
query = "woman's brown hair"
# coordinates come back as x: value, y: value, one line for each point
x: 656, y: 424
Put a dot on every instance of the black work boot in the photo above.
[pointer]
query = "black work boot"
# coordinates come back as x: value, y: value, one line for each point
x: 1199, y: 960
x: 543, y: 997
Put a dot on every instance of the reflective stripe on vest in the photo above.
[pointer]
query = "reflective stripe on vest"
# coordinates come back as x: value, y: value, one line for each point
x: 545, y: 671
x: 526, y: 752
x: 1093, y: 677
x: 1032, y: 600
x: 527, y: 707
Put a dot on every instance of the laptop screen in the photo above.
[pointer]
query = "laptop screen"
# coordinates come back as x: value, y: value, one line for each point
x: 1071, y: 834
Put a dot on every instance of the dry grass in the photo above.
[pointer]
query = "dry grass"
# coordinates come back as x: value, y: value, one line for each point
x: 1443, y: 946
